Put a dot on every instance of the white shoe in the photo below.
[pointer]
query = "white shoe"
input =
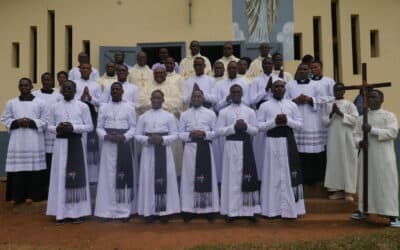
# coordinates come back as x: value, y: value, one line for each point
x: 395, y: 223
x: 349, y: 197
x: 336, y: 196
x: 359, y: 215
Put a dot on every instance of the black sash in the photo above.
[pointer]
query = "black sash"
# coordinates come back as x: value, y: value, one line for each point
x: 293, y: 155
x: 259, y: 104
x: 124, y: 169
x: 207, y: 104
x: 250, y: 182
x: 203, y: 174
x: 160, y: 174
x: 92, y: 145
x: 75, y: 176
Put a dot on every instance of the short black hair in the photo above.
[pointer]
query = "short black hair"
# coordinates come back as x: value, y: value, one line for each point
x: 62, y: 72
x: 158, y: 91
x: 46, y: 74
x: 235, y: 86
x: 70, y: 81
x: 25, y: 79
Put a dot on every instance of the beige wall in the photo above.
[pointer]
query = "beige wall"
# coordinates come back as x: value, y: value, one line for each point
x: 128, y: 22
x: 373, y: 15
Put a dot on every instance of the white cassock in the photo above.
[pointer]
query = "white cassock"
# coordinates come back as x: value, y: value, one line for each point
x: 96, y: 94
x: 287, y: 77
x: 140, y: 75
x: 49, y: 99
x: 277, y: 194
x: 186, y: 68
x: 130, y: 95
x: 156, y: 121
x: 173, y: 102
x: 232, y: 161
x: 245, y: 78
x: 114, y: 115
x: 93, y: 87
x: 205, y: 120
x: 341, y: 167
x: 23, y: 156
x: 75, y: 74
x: 78, y: 114
x: 258, y: 95
x: 255, y: 68
x: 206, y: 84
x: 105, y: 80
x: 222, y: 91
x: 382, y: 170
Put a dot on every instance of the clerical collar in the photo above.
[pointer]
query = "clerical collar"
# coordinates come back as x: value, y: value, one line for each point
x: 47, y: 91
x: 317, y: 78
x: 305, y: 81
x: 28, y: 98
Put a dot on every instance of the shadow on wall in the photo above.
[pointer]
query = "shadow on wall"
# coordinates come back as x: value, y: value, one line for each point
x: 4, y: 136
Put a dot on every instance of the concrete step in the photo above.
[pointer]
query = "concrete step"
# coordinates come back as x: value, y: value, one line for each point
x: 325, y: 206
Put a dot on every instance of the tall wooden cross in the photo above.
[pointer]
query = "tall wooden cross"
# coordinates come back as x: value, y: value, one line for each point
x: 365, y: 87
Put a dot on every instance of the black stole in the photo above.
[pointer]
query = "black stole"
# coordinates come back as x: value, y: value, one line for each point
x: 75, y: 176
x: 203, y: 174
x: 293, y: 155
x: 160, y: 174
x: 92, y: 145
x: 250, y: 182
x: 124, y: 169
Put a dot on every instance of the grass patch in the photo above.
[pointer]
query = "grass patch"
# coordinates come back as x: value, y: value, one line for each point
x: 386, y: 239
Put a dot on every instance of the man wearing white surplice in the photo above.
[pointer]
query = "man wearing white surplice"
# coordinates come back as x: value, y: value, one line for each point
x: 240, y: 185
x: 25, y: 117
x: 69, y: 194
x: 383, y: 183
x: 199, y: 187
x: 117, y: 186
x: 311, y: 139
x: 341, y: 167
x: 281, y: 183
x: 158, y: 193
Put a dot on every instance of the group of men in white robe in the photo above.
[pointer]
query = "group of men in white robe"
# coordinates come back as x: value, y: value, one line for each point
x: 269, y: 136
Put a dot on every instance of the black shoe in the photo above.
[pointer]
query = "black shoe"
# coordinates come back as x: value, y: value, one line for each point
x: 76, y: 221
x: 104, y: 220
x: 164, y: 219
x: 252, y: 219
x: 210, y: 218
x: 229, y: 219
x: 125, y: 220
x: 187, y: 217
x: 59, y: 222
x: 149, y: 219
